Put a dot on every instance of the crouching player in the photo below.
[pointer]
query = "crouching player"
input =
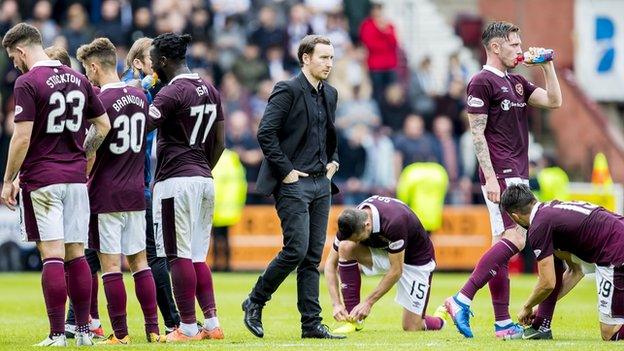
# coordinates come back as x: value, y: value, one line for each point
x: 587, y: 231
x: 117, y: 224
x: 381, y: 236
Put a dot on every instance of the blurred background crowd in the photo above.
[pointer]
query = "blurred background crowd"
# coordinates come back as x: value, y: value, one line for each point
x: 391, y: 111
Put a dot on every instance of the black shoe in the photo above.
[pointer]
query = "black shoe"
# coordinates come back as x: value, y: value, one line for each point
x: 253, y: 317
x: 533, y: 334
x: 320, y: 331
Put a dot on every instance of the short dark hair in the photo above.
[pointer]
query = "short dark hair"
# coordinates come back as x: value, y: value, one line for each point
x: 58, y: 53
x: 499, y: 29
x: 21, y: 33
x: 351, y: 221
x: 307, y: 44
x: 517, y: 198
x: 102, y: 49
x: 172, y: 46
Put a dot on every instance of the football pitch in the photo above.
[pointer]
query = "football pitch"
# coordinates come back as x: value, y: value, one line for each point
x: 575, y: 327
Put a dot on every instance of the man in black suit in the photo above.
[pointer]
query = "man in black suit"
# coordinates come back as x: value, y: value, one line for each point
x: 298, y: 139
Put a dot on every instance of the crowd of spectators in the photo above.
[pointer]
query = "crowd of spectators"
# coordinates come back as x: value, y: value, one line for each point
x: 388, y: 115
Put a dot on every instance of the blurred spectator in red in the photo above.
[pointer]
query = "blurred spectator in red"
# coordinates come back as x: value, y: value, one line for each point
x: 377, y: 34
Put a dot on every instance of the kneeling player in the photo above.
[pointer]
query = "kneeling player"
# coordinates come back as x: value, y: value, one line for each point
x: 586, y: 231
x: 381, y: 236
x: 117, y: 222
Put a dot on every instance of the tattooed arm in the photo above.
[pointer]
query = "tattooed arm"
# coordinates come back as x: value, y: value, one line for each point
x: 477, y: 129
x: 100, y: 127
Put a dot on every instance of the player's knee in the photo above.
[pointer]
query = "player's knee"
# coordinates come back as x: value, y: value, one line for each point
x: 294, y: 254
x: 517, y: 238
x: 74, y: 250
x: 137, y: 262
x: 346, y: 250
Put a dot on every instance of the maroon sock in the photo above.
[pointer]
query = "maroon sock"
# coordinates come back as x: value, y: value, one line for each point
x: 205, y: 290
x: 145, y: 290
x: 546, y: 309
x: 497, y: 255
x: 94, y: 297
x: 350, y: 283
x: 433, y: 323
x: 184, y: 283
x: 499, y: 290
x: 619, y: 335
x: 78, y: 272
x: 54, y: 293
x: 115, y: 292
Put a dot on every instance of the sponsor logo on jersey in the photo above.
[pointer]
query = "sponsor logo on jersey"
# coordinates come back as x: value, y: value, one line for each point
x: 537, y: 252
x: 154, y: 112
x: 474, y: 101
x: 505, y: 89
x: 396, y: 244
x: 519, y: 89
x: 18, y: 110
x: 506, y: 105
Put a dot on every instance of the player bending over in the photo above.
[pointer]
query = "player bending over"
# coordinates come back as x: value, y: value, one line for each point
x: 381, y: 236
x: 49, y: 150
x: 587, y: 231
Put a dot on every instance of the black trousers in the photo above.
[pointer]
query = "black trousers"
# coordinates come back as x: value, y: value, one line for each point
x: 160, y: 271
x: 303, y: 209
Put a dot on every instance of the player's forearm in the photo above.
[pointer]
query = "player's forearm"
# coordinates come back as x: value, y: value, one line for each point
x: 17, y: 153
x: 539, y: 294
x: 483, y: 154
x: 387, y: 282
x: 553, y: 90
x: 94, y: 139
x: 332, y: 284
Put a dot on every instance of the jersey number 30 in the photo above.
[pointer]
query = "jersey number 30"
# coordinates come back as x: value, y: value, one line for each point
x: 131, y: 131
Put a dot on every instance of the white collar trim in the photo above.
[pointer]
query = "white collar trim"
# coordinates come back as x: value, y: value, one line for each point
x: 533, y: 212
x: 113, y: 85
x: 495, y: 70
x: 375, y: 215
x: 47, y: 63
x: 184, y: 76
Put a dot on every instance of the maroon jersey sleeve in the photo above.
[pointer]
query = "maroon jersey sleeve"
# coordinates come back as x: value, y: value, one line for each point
x: 478, y: 100
x: 540, y: 237
x: 25, y: 105
x: 94, y: 106
x: 161, y: 108
x: 397, y: 233
x: 528, y: 87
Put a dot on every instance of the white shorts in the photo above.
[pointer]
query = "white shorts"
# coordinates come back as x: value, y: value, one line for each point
x: 499, y: 222
x: 610, y: 286
x: 183, y: 208
x: 117, y: 232
x: 414, y: 285
x: 55, y: 212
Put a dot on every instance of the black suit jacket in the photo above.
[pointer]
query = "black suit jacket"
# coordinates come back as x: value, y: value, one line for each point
x: 284, y: 127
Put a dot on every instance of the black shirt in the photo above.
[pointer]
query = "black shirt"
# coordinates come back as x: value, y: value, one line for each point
x: 313, y: 157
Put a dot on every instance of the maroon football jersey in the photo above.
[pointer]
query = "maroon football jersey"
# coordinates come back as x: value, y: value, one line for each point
x: 396, y: 228
x: 116, y: 182
x: 588, y: 231
x: 57, y: 100
x: 503, y: 97
x: 185, y: 111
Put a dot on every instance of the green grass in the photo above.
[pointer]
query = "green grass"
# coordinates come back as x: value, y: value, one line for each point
x: 23, y: 320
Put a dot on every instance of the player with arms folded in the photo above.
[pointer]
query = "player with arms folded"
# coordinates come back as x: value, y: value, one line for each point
x: 49, y: 150
x: 497, y: 106
x: 382, y: 236
x: 189, y: 118
x: 117, y: 224
x: 576, y: 232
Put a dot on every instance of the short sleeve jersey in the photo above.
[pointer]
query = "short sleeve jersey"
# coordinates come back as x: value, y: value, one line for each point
x: 116, y: 182
x: 57, y: 100
x: 590, y: 232
x: 185, y: 111
x: 503, y: 97
x: 396, y: 228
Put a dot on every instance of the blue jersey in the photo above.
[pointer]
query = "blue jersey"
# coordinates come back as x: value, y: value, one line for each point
x: 150, y: 91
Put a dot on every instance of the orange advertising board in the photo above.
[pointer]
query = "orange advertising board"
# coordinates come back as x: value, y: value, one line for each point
x: 464, y: 236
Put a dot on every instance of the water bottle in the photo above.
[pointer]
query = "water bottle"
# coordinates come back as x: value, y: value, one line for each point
x: 542, y: 55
